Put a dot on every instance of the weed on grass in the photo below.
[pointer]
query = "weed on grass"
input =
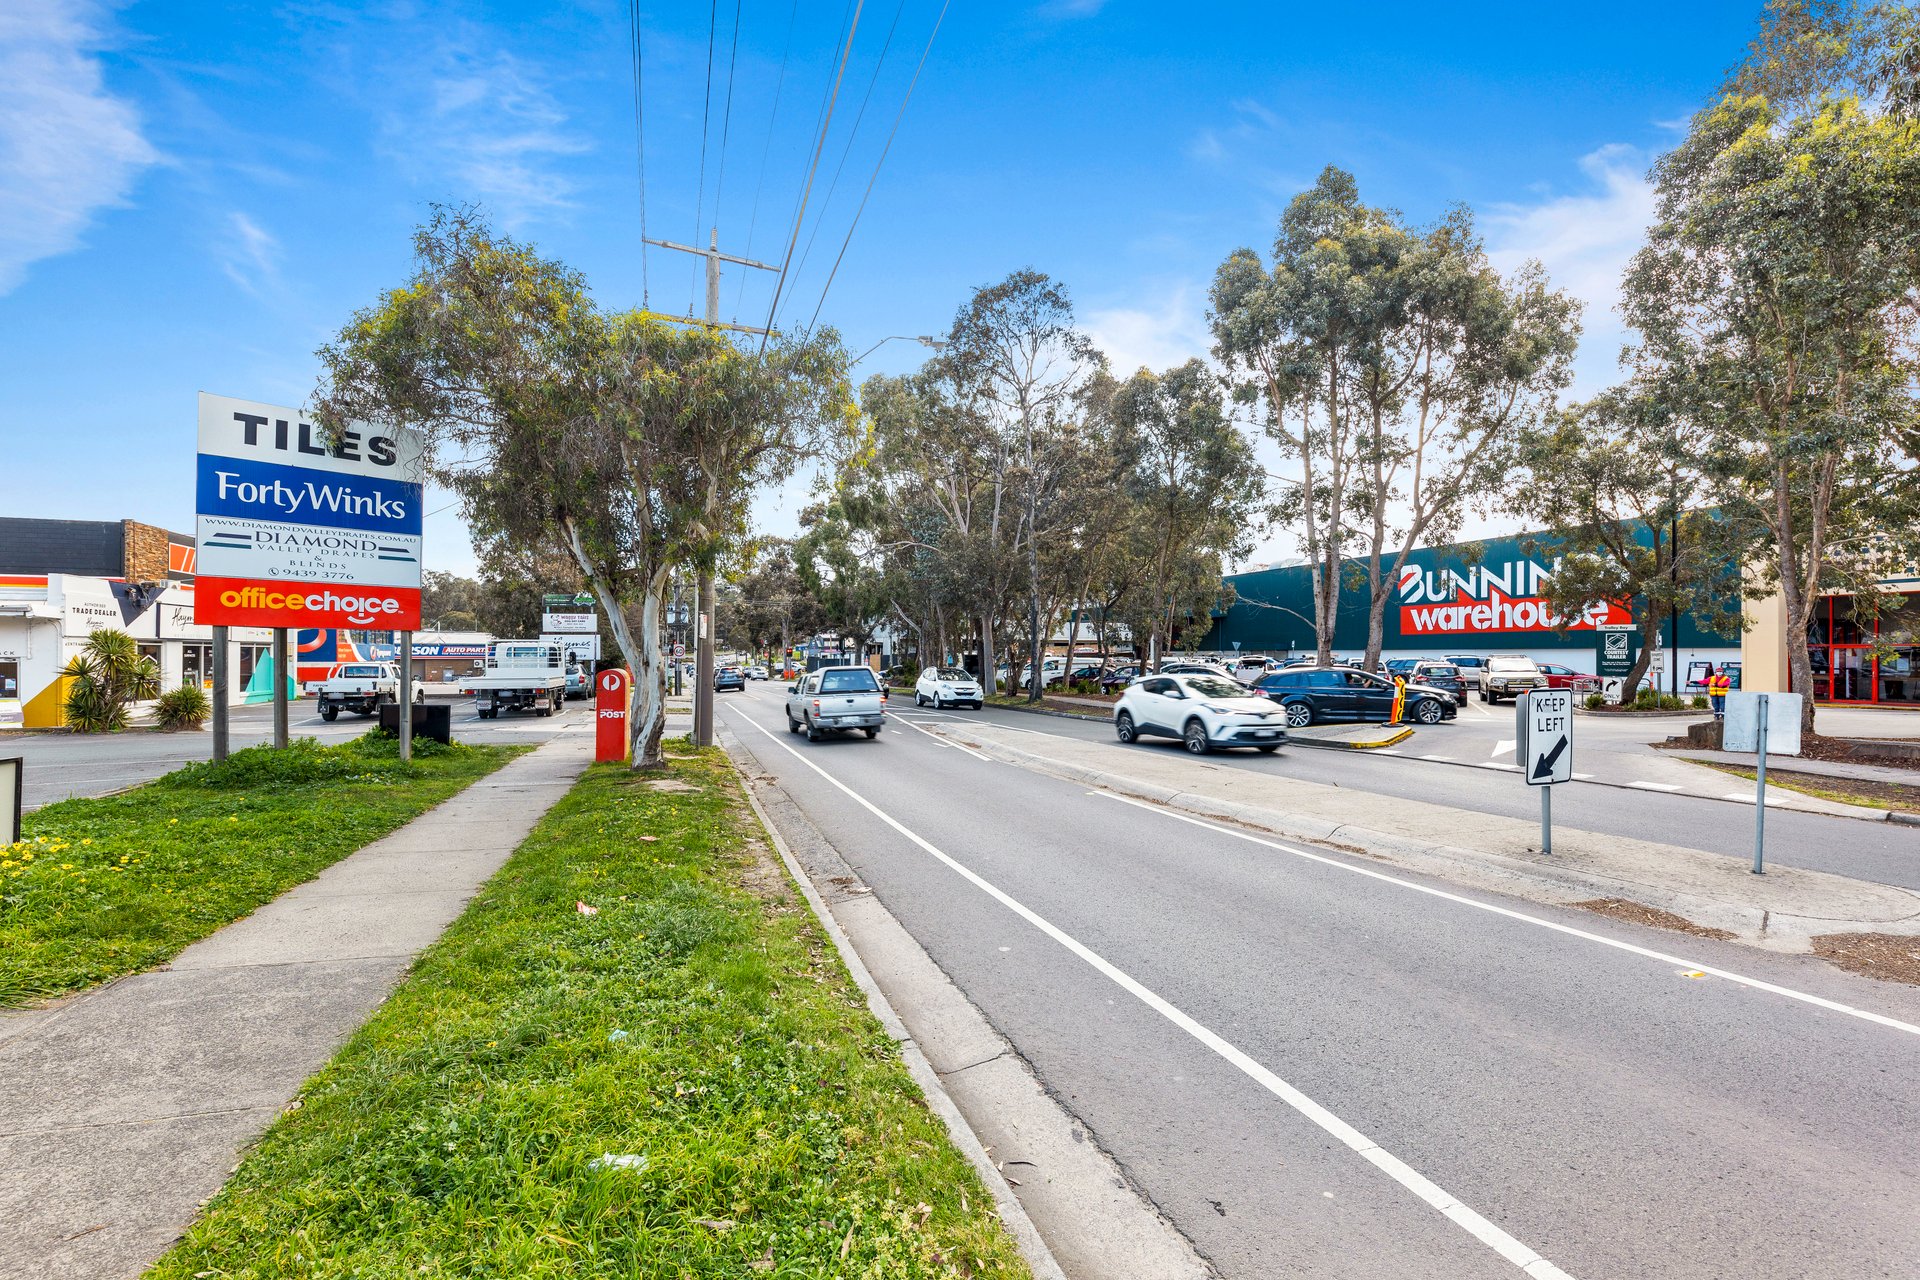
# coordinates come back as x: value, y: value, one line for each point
x: 685, y: 1083
x: 99, y: 888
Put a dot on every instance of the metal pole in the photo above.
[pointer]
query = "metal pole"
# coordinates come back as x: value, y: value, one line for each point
x: 405, y: 723
x: 1760, y: 798
x: 703, y: 664
x: 221, y: 694
x: 1546, y: 820
x: 280, y: 736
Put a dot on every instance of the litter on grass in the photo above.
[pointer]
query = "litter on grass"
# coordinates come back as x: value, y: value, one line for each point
x: 615, y: 1037
x: 586, y: 910
x: 635, y: 1163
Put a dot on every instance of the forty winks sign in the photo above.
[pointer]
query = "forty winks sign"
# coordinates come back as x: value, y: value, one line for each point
x: 1490, y: 600
x: 297, y: 529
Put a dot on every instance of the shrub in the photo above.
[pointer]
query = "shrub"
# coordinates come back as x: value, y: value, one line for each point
x: 1647, y: 698
x: 184, y: 708
x: 1669, y: 702
x: 108, y: 676
x: 1595, y: 701
x: 1699, y: 702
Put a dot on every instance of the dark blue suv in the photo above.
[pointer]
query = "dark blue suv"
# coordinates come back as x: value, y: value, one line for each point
x: 1313, y: 694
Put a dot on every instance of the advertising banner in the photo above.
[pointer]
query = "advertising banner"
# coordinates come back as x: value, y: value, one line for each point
x: 569, y: 622
x: 297, y: 530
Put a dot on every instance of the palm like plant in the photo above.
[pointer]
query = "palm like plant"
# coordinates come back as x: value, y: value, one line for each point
x: 108, y: 675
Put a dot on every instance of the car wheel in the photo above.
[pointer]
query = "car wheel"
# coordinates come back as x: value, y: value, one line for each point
x: 1123, y: 727
x: 871, y: 734
x: 813, y: 734
x: 918, y: 700
x: 1268, y: 750
x: 1195, y: 737
x: 329, y: 714
x: 1427, y: 712
x: 1299, y: 715
x: 793, y: 726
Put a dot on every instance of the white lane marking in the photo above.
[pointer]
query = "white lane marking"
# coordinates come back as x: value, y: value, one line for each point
x: 1756, y: 983
x: 1495, y: 764
x: 1654, y: 786
x: 1746, y: 797
x: 946, y: 742
x: 1366, y: 1148
x: 1584, y: 777
x: 1441, y: 759
x: 1502, y: 747
x: 1387, y: 751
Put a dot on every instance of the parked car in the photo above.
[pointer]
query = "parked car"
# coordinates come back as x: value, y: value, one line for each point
x: 1400, y: 666
x: 756, y: 672
x: 1190, y: 667
x: 729, y: 678
x: 836, y: 700
x: 941, y: 687
x: 579, y: 682
x: 1118, y: 677
x: 1469, y: 665
x: 1310, y: 695
x: 1560, y: 677
x: 360, y: 687
x: 1204, y: 711
x: 1441, y: 675
x: 1508, y: 675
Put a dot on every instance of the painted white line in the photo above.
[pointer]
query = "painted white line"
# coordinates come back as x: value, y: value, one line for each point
x: 1746, y: 797
x: 1387, y: 751
x: 1441, y: 759
x: 1654, y: 786
x: 1504, y: 746
x: 1584, y: 777
x: 1495, y: 764
x: 1756, y: 983
x: 944, y: 742
x: 1366, y: 1148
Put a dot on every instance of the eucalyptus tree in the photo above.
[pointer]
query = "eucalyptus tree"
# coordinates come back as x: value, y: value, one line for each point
x: 630, y: 444
x: 1775, y: 296
x: 1194, y: 491
x: 1617, y: 484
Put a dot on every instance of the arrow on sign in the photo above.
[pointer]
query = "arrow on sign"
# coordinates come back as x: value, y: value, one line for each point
x: 1543, y: 767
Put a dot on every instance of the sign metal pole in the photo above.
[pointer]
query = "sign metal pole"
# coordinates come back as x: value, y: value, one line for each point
x: 1760, y: 796
x: 280, y: 736
x: 1546, y: 821
x: 405, y: 720
x: 222, y: 693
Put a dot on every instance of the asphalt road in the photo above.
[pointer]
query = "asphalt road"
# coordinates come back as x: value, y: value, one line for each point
x: 1885, y: 852
x: 59, y: 765
x: 1301, y: 1058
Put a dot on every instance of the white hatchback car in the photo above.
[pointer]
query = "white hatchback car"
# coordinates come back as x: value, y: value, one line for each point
x: 1203, y: 711
x: 946, y: 686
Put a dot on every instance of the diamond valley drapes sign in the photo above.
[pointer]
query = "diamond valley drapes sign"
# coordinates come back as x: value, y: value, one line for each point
x: 297, y: 530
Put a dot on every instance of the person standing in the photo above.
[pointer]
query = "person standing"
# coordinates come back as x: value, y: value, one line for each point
x: 1718, y: 683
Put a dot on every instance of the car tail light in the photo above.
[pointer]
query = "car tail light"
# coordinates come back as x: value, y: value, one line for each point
x: 883, y: 697
x: 816, y: 704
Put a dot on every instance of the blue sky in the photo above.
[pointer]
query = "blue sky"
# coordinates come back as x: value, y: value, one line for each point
x: 194, y: 195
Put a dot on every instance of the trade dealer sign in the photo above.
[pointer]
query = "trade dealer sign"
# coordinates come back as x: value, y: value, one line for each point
x: 297, y: 530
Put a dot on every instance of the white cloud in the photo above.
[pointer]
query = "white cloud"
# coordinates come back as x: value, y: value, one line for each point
x: 1584, y: 241
x: 249, y: 255
x: 68, y: 147
x: 1166, y: 331
x: 480, y: 120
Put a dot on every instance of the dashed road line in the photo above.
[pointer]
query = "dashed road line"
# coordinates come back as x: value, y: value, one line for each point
x: 1654, y: 786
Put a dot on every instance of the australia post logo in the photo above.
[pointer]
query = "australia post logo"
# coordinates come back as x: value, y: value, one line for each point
x: 1489, y: 600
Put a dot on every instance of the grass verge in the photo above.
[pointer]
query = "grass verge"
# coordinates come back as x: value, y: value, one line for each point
x: 685, y: 1083
x: 100, y: 888
x: 1899, y: 797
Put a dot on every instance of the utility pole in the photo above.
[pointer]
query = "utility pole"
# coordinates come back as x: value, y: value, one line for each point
x: 703, y: 607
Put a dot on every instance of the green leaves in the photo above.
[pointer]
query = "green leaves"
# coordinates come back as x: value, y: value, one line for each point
x: 108, y: 675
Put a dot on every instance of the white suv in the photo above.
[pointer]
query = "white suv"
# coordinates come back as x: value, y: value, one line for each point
x: 1203, y: 711
x: 946, y: 687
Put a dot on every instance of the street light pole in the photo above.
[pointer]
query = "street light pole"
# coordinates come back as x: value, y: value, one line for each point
x: 923, y: 339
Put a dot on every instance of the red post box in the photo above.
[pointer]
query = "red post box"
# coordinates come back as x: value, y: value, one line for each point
x: 613, y: 691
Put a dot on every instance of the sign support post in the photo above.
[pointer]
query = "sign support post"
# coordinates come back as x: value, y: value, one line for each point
x: 1543, y: 727
x: 1760, y: 797
x: 222, y: 694
x: 405, y: 720
x: 1750, y: 725
x: 280, y: 736
x: 703, y: 664
x: 1546, y: 821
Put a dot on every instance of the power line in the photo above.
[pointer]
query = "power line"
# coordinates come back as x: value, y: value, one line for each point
x: 766, y: 150
x: 726, y: 119
x: 706, y: 116
x: 819, y: 146
x: 827, y: 91
x: 900, y: 115
x: 639, y: 142
x: 833, y: 185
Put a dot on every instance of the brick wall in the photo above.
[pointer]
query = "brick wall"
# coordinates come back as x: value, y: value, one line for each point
x: 146, y: 551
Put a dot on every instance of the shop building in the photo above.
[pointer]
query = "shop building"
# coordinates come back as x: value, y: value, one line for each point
x: 1860, y: 656
x: 1467, y: 599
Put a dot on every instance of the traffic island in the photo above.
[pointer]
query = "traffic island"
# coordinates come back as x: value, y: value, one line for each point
x: 1349, y: 737
x: 103, y: 887
x: 635, y: 1054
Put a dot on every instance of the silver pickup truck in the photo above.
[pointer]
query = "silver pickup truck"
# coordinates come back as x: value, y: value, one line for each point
x: 360, y: 687
x: 835, y: 700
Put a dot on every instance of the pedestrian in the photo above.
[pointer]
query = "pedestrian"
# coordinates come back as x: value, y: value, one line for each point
x: 1718, y: 682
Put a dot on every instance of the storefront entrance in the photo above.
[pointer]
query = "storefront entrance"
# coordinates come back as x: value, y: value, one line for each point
x: 1842, y: 649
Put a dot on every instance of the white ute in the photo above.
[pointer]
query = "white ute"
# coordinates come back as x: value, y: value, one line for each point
x: 520, y: 675
x: 360, y: 687
x: 836, y: 699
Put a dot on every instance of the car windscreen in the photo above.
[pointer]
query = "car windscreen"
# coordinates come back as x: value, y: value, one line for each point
x: 1214, y: 687
x: 1444, y: 673
x: 951, y: 673
x: 1510, y: 664
x: 861, y: 681
x: 359, y: 671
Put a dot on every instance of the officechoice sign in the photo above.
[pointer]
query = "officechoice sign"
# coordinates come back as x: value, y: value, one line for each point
x: 299, y: 529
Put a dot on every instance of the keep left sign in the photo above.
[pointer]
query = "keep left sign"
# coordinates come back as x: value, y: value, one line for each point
x: 297, y: 529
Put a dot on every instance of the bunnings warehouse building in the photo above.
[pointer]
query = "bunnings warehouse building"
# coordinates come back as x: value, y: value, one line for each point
x: 1469, y: 599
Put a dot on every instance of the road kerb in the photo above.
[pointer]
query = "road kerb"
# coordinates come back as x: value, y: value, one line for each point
x: 1129, y: 1234
x: 1396, y: 734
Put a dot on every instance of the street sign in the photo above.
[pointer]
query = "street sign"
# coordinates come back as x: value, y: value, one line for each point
x: 1740, y: 731
x: 300, y: 531
x: 10, y: 787
x: 571, y: 621
x: 1545, y: 732
x: 1616, y: 655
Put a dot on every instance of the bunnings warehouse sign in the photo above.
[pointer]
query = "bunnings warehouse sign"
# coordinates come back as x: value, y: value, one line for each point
x: 1470, y: 599
x: 297, y: 530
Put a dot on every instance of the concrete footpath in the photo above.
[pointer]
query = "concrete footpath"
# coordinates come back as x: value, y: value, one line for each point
x: 1782, y: 910
x: 124, y: 1108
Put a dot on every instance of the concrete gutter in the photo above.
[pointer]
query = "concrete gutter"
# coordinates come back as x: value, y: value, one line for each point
x: 1780, y: 911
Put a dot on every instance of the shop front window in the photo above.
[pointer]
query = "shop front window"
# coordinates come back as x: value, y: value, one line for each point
x: 196, y: 663
x: 9, y: 678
